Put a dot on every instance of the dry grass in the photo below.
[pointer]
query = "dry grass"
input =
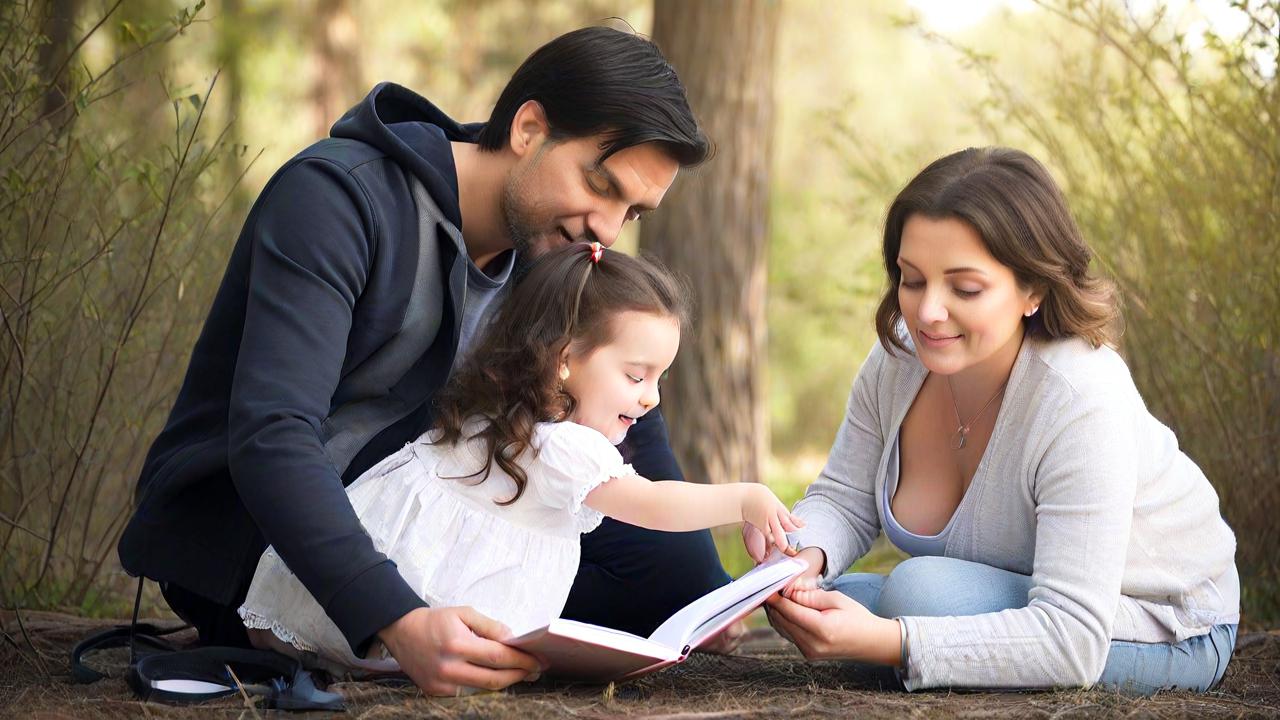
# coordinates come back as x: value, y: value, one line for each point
x: 767, y: 680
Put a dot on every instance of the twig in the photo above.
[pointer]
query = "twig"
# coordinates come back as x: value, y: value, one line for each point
x: 131, y: 318
x: 6, y: 519
x: 39, y: 657
x: 239, y: 686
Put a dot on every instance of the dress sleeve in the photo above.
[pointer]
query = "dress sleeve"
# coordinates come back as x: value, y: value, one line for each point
x: 572, y: 461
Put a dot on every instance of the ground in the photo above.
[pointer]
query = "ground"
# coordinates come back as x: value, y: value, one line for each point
x: 767, y: 679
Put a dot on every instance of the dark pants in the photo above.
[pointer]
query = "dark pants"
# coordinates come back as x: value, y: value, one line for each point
x: 630, y: 579
x: 216, y: 624
x: 633, y: 579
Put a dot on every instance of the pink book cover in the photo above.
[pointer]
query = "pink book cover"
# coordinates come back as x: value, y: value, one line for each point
x: 572, y: 650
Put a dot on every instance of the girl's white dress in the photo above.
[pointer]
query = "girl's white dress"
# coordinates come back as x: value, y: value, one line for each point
x: 451, y: 540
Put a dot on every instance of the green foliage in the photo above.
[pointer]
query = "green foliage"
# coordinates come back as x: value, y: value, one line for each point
x: 110, y: 185
x: 789, y: 485
x: 1167, y: 139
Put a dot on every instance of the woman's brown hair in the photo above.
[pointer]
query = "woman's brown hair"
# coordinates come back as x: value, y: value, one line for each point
x: 511, y: 380
x: 1023, y: 219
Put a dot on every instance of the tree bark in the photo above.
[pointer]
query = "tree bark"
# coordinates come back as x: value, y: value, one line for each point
x: 712, y: 227
x: 336, y: 83
x: 59, y: 25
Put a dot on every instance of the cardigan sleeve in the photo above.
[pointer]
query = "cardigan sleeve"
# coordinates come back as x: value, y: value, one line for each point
x: 1083, y: 490
x: 839, y: 507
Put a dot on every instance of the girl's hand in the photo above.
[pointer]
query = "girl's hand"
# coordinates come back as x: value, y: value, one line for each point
x: 753, y: 540
x: 807, y: 580
x: 825, y: 624
x: 763, y: 510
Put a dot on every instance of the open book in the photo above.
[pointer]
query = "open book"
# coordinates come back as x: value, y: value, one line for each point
x: 574, y: 650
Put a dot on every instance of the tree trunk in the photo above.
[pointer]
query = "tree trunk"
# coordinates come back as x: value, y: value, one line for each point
x: 712, y: 227
x: 336, y: 83
x: 59, y: 25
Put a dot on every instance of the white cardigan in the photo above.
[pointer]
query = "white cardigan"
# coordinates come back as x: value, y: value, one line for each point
x: 1079, y: 487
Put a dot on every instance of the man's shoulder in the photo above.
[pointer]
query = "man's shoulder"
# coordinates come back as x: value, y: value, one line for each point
x: 345, y: 153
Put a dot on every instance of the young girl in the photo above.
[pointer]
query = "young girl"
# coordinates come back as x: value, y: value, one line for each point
x: 485, y: 509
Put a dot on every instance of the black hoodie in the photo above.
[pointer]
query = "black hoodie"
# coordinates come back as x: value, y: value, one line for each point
x: 319, y: 283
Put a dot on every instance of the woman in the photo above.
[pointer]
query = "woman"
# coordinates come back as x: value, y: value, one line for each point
x: 1058, y: 536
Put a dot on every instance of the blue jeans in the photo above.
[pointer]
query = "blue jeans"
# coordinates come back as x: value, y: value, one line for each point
x: 938, y: 586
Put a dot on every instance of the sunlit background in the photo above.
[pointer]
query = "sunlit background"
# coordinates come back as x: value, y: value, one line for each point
x: 1158, y: 118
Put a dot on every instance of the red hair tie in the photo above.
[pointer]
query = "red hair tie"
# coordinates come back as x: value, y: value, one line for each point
x: 597, y: 252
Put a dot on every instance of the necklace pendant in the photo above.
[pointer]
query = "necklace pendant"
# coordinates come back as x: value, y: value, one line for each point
x: 958, y: 438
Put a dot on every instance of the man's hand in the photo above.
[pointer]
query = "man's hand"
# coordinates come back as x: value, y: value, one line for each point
x: 763, y: 510
x: 447, y: 650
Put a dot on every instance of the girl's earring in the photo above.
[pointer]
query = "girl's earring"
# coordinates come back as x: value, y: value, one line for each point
x: 1032, y: 311
x: 564, y: 373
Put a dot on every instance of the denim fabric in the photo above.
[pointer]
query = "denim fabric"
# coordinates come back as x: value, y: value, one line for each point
x: 940, y: 587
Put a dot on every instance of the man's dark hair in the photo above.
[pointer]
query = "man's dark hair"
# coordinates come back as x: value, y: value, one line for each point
x: 598, y: 80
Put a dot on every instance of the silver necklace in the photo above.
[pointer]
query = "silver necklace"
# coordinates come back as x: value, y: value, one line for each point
x: 961, y: 435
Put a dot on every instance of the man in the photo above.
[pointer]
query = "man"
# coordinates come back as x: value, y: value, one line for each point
x: 364, y: 271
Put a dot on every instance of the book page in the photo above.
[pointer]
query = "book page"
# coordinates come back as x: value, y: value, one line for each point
x: 682, y: 628
x: 580, y: 651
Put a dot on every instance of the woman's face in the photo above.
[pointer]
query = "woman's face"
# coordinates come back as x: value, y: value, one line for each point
x: 961, y: 305
x: 617, y: 383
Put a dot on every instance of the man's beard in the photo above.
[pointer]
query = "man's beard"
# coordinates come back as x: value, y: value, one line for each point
x: 517, y: 215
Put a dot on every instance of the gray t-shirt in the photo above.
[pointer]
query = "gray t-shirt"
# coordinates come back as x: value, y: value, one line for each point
x: 485, y: 292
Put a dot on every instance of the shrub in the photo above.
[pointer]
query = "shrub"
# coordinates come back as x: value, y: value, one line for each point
x: 109, y: 183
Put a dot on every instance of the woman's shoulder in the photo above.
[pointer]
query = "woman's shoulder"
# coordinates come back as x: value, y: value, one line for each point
x: 1071, y: 378
x: 1080, y: 366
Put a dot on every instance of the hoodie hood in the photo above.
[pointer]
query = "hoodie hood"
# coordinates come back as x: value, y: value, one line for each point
x: 416, y: 134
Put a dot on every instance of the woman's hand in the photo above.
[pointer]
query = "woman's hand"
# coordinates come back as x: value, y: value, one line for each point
x: 825, y: 624
x: 764, y: 511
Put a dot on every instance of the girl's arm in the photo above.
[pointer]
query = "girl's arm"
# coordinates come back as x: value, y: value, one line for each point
x: 676, y: 506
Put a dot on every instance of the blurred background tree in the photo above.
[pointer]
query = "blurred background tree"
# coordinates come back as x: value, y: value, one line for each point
x: 126, y: 172
x: 712, y: 227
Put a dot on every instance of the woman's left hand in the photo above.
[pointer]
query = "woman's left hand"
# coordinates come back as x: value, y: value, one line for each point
x: 825, y: 624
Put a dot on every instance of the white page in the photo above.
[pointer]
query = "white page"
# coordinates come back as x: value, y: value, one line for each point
x: 705, y: 629
x: 194, y: 687
x: 676, y: 632
x: 609, y: 637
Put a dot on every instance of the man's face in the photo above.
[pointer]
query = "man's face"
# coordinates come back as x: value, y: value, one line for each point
x: 559, y: 193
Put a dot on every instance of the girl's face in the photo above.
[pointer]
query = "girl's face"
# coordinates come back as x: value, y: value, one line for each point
x: 618, y: 382
x: 961, y: 305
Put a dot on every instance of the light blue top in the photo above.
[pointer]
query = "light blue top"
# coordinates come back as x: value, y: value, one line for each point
x: 902, y: 538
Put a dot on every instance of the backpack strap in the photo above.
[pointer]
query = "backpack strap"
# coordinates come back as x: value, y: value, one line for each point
x: 208, y: 673
x: 159, y: 671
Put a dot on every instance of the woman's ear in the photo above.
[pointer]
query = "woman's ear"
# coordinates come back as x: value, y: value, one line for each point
x: 529, y: 127
x: 1034, y: 299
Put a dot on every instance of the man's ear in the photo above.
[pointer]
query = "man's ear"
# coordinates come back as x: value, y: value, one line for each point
x: 529, y: 128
